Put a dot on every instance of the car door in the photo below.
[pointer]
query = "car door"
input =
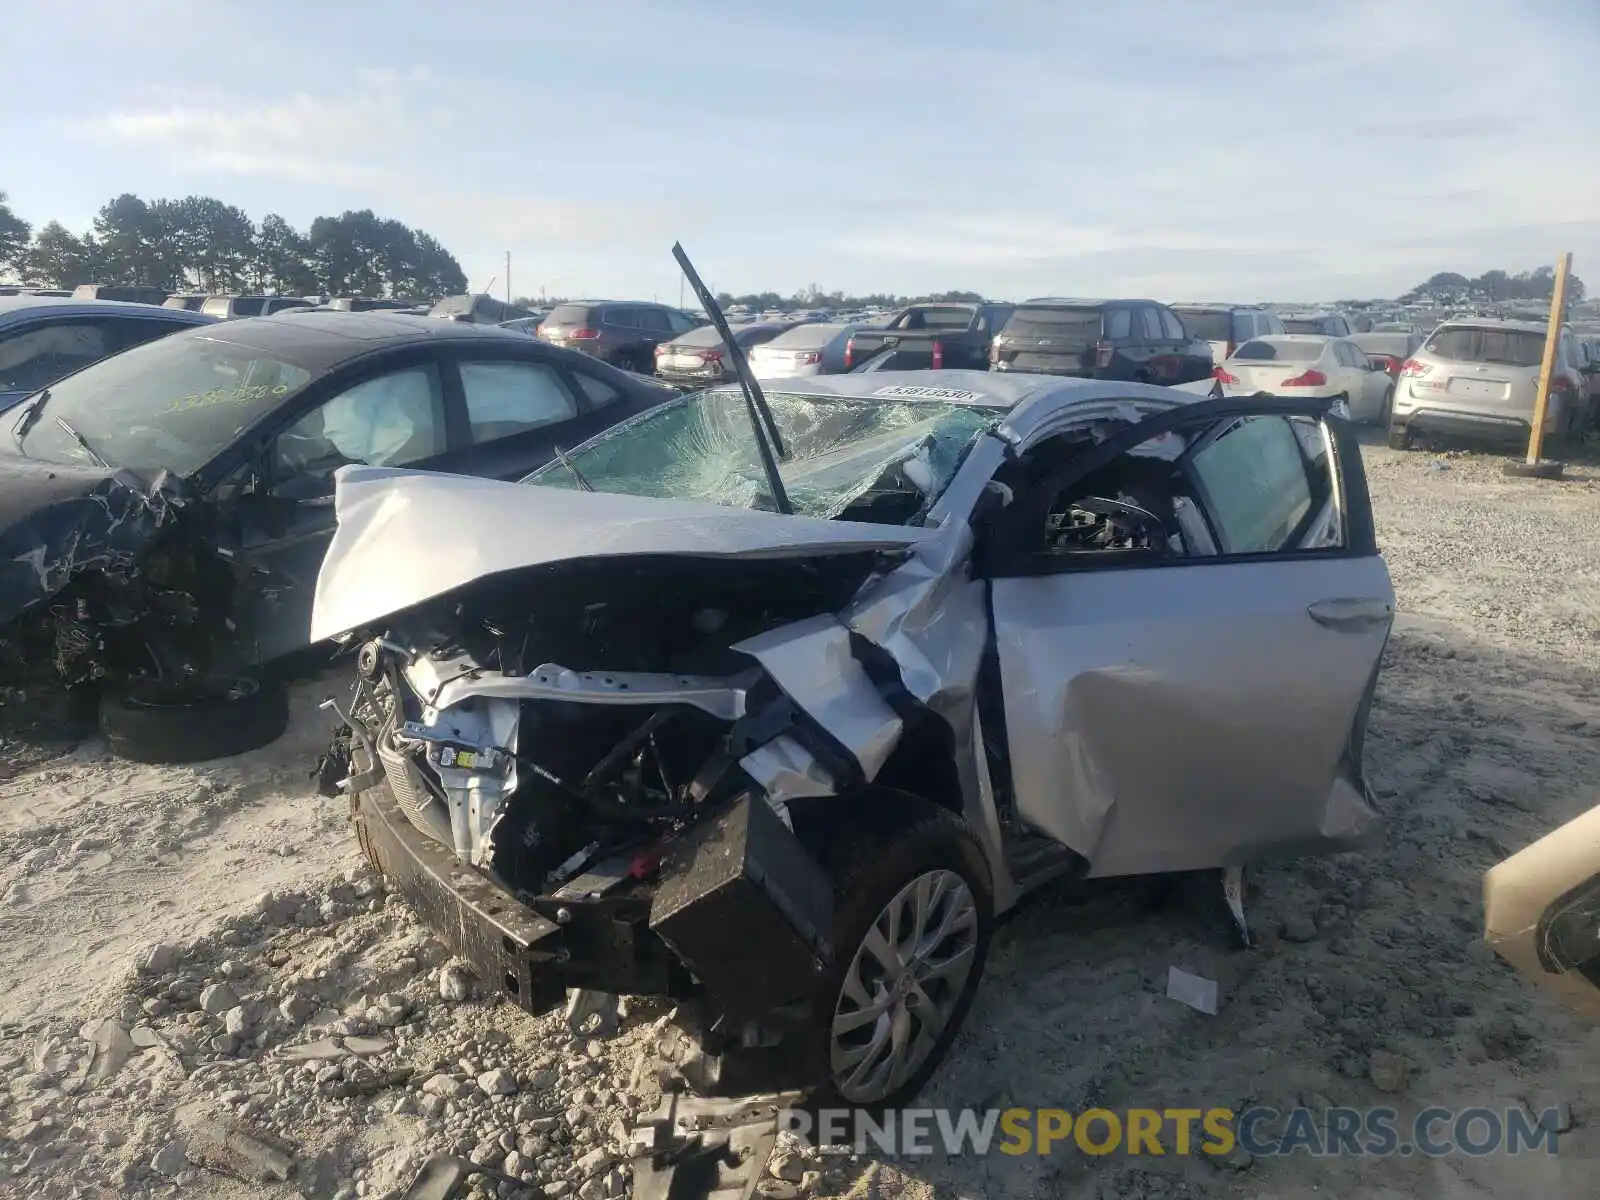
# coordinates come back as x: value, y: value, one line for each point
x: 1192, y: 354
x: 396, y: 415
x: 654, y: 329
x: 1374, y: 381
x: 1159, y: 352
x: 1202, y: 703
x: 518, y: 410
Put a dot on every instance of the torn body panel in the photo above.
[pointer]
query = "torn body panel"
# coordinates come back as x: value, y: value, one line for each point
x: 1168, y: 726
x: 59, y: 521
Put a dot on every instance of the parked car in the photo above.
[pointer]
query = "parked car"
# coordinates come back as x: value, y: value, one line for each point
x: 698, y: 358
x: 623, y: 333
x: 1586, y: 352
x: 1388, y: 349
x: 659, y: 738
x: 128, y: 293
x: 937, y: 336
x: 189, y: 302
x: 477, y: 309
x: 1227, y: 326
x: 43, y: 338
x: 1325, y: 324
x: 1136, y: 340
x: 453, y: 306
x: 1478, y: 377
x: 803, y: 350
x: 231, y: 308
x: 1303, y: 364
x: 163, y: 513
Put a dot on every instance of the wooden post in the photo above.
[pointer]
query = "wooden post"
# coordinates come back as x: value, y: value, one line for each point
x: 1552, y: 346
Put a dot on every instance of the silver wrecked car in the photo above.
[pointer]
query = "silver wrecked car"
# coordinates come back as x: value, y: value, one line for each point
x: 773, y: 715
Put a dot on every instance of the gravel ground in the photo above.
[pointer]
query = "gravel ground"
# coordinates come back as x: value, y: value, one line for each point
x: 229, y: 1018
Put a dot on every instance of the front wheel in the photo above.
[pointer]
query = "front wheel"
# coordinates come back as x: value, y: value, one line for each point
x: 913, y: 914
x: 183, y: 723
x: 1386, y: 409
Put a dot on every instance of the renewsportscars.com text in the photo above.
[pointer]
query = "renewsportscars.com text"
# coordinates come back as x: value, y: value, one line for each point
x: 1433, y: 1132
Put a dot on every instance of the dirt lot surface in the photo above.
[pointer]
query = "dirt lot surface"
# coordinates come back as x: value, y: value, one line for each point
x: 180, y: 947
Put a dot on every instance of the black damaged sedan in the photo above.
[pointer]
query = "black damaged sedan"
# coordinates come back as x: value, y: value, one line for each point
x: 164, y: 513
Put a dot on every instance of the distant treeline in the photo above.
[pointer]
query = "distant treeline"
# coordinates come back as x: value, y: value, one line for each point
x: 200, y: 244
x: 1538, y: 284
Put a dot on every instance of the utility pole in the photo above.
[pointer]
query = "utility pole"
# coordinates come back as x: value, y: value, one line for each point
x: 508, y: 277
x: 1536, y: 466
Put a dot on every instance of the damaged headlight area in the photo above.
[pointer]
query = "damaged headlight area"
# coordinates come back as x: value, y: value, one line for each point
x: 600, y: 793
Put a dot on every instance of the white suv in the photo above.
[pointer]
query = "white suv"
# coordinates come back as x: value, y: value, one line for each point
x: 1477, y: 377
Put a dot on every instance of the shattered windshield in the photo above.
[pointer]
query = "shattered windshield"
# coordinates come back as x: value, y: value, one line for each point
x: 866, y: 458
x: 173, y: 404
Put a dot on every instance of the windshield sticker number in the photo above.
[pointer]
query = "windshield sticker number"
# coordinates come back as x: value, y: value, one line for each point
x: 927, y: 393
x: 244, y: 394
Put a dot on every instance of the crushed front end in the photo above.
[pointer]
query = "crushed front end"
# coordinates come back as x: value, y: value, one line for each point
x: 626, y: 831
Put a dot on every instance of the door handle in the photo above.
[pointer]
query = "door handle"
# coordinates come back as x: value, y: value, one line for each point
x: 1351, y: 615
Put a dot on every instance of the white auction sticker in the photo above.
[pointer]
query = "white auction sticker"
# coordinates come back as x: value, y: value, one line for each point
x: 927, y: 393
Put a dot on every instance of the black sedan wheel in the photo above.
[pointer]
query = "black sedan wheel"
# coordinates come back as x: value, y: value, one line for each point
x: 165, y: 723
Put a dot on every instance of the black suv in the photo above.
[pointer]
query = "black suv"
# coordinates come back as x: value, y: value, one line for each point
x: 623, y: 333
x: 1228, y: 326
x: 1134, y: 340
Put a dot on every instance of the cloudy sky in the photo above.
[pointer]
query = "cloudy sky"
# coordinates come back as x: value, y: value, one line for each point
x: 1179, y: 148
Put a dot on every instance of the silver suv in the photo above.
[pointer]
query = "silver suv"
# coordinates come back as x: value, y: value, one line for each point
x: 1478, y: 376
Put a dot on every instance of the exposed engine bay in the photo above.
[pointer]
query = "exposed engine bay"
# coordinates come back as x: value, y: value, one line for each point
x: 662, y: 707
x: 644, y: 812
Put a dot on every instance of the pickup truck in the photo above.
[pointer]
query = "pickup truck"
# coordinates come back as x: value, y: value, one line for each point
x: 930, y: 336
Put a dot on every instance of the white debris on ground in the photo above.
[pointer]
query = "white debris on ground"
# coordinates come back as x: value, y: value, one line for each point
x: 191, y: 1011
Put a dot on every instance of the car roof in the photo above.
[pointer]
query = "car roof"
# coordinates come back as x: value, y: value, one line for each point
x: 1539, y: 327
x: 1297, y: 337
x: 320, y: 340
x: 1205, y: 306
x: 11, y: 306
x: 1002, y: 390
x: 1080, y: 301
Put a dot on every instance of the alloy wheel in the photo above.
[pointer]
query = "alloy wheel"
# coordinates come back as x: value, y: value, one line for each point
x: 903, y: 986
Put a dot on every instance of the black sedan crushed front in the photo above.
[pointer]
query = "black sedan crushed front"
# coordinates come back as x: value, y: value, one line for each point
x: 164, y: 513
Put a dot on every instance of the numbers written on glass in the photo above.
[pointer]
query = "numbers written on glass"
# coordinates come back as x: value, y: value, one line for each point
x: 219, y: 396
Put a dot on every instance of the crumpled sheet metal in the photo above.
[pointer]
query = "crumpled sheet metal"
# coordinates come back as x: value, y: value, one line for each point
x: 1193, y: 763
x: 931, y: 618
x: 379, y: 561
x: 58, y: 521
x: 812, y: 662
x: 786, y: 770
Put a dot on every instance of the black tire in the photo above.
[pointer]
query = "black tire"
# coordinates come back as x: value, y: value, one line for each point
x: 1399, y: 437
x: 1386, y: 409
x: 193, y: 724
x: 1544, y: 468
x: 870, y: 866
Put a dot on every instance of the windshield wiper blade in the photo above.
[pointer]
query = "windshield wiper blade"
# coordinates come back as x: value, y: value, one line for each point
x: 83, y: 442
x: 755, y: 403
x: 29, y: 414
x: 561, y: 457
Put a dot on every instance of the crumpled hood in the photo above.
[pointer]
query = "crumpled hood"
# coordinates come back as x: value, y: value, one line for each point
x: 58, y: 520
x: 405, y: 537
